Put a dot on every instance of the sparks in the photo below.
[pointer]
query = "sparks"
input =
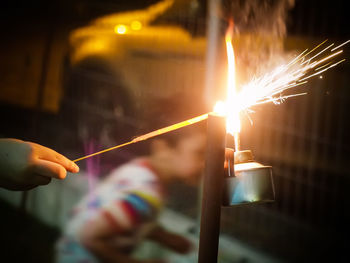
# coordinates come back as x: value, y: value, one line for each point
x: 270, y: 87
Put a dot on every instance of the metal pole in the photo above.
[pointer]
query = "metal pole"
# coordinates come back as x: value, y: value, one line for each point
x: 213, y: 38
x: 212, y: 189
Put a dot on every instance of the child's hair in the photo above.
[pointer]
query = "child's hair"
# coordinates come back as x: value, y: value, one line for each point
x: 173, y: 110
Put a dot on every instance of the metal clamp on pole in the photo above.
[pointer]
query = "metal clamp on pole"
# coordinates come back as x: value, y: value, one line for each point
x: 248, y: 181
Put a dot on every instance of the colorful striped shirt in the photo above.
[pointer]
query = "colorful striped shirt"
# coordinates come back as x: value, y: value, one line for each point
x: 129, y: 199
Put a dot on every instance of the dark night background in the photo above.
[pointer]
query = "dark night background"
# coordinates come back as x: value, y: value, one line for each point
x: 305, y: 140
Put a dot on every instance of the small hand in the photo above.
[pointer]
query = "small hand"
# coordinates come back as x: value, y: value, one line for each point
x: 171, y: 240
x: 25, y: 165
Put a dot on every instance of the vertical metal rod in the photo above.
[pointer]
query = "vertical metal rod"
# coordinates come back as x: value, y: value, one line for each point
x: 212, y: 190
x: 213, y: 38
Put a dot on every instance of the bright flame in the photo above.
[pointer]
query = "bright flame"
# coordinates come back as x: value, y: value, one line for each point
x: 120, y: 29
x: 233, y: 124
x: 229, y: 108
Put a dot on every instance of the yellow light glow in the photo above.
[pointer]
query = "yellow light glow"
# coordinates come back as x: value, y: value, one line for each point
x: 120, y: 29
x: 136, y: 25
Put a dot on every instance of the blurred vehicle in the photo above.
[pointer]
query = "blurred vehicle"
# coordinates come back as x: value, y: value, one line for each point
x: 121, y: 63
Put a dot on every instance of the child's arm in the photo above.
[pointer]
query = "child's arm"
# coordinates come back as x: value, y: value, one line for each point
x: 126, y: 211
x: 170, y: 240
x: 25, y: 165
x: 97, y: 237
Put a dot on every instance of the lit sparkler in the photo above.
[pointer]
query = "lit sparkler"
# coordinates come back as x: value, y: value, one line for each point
x: 268, y: 88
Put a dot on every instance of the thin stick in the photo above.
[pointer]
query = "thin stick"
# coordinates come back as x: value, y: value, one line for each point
x: 150, y: 135
x: 103, y: 151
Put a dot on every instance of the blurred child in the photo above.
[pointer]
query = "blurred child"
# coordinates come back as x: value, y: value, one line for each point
x: 108, y: 223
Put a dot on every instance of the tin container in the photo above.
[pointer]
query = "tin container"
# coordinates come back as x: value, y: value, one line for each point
x: 250, y: 182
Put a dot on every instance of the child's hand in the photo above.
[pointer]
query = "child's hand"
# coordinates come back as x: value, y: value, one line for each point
x: 171, y: 240
x: 25, y: 165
